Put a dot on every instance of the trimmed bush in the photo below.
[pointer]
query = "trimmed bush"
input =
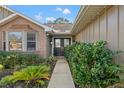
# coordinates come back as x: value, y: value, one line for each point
x: 51, y: 61
x: 1, y: 67
x: 12, y: 60
x: 91, y: 64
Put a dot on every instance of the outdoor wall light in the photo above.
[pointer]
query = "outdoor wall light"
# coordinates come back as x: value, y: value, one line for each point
x: 51, y: 43
x: 47, y: 34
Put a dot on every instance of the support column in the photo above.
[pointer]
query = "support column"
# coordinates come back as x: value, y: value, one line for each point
x: 52, y: 46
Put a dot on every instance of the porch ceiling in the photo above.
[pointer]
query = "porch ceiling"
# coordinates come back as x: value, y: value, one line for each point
x: 86, y: 14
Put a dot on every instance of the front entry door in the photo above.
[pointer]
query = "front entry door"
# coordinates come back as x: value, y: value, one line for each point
x: 59, y: 44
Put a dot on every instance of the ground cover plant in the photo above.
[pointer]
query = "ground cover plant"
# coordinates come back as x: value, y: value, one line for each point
x: 91, y: 64
x: 25, y: 69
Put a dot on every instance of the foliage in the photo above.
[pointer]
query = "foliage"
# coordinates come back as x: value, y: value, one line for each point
x: 30, y: 59
x: 91, y: 64
x: 59, y: 20
x: 1, y: 67
x: 51, y: 61
x: 31, y: 76
x: 14, y: 59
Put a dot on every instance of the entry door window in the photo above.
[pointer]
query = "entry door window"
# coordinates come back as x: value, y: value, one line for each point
x: 66, y: 42
x: 15, y: 40
x: 57, y: 42
x: 60, y: 43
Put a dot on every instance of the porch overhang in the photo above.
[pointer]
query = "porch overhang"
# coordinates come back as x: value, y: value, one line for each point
x: 86, y: 14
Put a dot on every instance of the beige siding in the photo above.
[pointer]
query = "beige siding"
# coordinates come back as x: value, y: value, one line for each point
x: 108, y: 26
x: 84, y: 36
x: 88, y: 34
x: 91, y: 33
x: 96, y: 30
x: 112, y: 28
x: 121, y: 33
x: 78, y: 37
x: 103, y: 27
x: 121, y: 28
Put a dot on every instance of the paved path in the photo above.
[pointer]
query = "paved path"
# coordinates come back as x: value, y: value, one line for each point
x: 61, y: 77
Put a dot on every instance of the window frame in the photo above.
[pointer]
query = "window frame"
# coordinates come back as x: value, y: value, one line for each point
x: 31, y: 41
x: 24, y: 41
x: 21, y: 41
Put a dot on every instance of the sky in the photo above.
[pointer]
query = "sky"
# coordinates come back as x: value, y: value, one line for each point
x: 45, y: 13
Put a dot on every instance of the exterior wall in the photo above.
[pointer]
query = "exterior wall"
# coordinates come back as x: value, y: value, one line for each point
x: 79, y: 37
x: 108, y: 26
x: 4, y: 13
x: 21, y: 24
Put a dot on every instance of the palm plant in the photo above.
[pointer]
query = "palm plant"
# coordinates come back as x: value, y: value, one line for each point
x: 31, y: 76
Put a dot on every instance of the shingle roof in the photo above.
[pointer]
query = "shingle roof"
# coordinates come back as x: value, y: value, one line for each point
x: 60, y: 27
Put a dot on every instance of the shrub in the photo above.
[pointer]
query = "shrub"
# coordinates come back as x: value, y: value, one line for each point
x: 51, y: 61
x: 1, y: 67
x: 32, y: 76
x: 14, y: 60
x: 91, y: 64
x: 30, y: 59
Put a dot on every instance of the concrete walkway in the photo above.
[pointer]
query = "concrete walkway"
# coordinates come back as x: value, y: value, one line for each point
x: 61, y: 77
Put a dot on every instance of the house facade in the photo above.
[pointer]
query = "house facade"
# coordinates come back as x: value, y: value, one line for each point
x: 93, y: 23
x: 102, y: 22
x: 23, y: 34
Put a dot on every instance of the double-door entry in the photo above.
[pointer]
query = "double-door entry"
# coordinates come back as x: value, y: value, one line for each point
x: 59, y: 44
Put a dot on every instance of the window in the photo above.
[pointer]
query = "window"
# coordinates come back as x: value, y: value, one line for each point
x: 19, y: 41
x: 66, y: 42
x: 57, y: 42
x: 4, y: 41
x: 15, y: 40
x: 31, y: 41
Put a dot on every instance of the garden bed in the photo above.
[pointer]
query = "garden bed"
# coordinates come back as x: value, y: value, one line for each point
x: 25, y: 70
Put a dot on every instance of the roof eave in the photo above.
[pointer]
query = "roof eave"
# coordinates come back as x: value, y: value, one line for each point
x: 85, y: 16
x: 78, y: 17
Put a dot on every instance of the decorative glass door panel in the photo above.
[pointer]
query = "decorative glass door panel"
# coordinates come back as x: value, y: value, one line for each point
x: 59, y: 44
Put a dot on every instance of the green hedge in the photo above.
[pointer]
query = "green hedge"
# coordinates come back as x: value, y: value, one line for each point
x: 91, y: 64
x: 12, y: 60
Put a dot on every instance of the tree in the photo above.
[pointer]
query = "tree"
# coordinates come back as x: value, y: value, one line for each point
x: 61, y: 20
